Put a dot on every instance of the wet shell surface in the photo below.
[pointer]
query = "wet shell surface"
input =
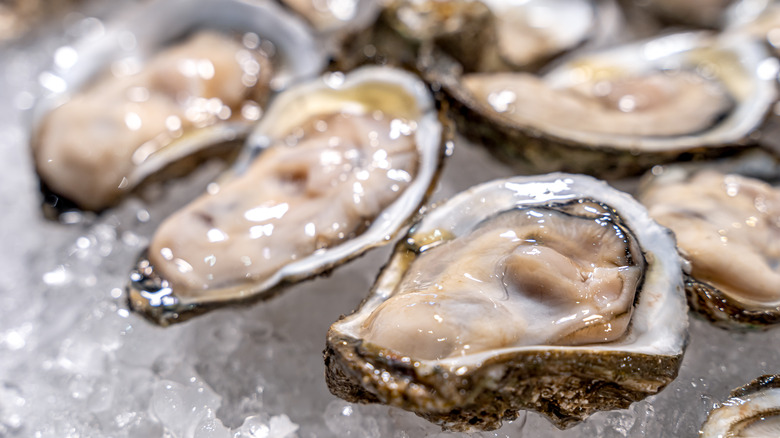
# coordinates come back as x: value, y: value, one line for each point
x: 728, y: 227
x: 751, y: 411
x: 491, y: 35
x: 617, y: 111
x: 554, y: 293
x: 172, y: 81
x: 337, y: 166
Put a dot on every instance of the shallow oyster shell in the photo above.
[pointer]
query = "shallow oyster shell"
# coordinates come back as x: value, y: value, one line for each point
x: 727, y: 227
x: 492, y: 35
x: 742, y: 66
x: 147, y: 29
x: 366, y: 91
x: 565, y: 383
x: 752, y: 410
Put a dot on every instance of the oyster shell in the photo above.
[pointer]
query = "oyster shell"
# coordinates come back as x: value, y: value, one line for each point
x: 336, y: 16
x: 160, y: 100
x: 474, y: 317
x: 489, y: 35
x: 752, y: 410
x: 728, y: 227
x: 617, y: 111
x: 343, y: 163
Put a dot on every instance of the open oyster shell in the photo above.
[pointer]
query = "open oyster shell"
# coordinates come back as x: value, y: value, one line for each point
x: 491, y: 35
x: 139, y: 99
x: 752, y: 410
x: 727, y: 227
x: 337, y: 166
x: 487, y: 372
x: 563, y: 120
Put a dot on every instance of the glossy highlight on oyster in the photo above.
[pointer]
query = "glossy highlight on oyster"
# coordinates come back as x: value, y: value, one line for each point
x: 728, y: 227
x: 89, y: 148
x: 618, y: 111
x: 751, y: 411
x: 341, y: 164
x: 146, y: 98
x: 495, y: 35
x: 518, y: 294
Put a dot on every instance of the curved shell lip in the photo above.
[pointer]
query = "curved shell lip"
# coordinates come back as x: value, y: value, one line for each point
x: 164, y: 307
x: 752, y: 401
x: 720, y: 308
x: 659, y: 324
x: 666, y: 52
x: 148, y: 28
x: 363, y: 14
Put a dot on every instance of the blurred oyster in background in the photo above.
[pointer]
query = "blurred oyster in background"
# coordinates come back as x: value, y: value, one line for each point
x: 491, y: 35
x: 343, y: 163
x: 728, y: 227
x: 700, y: 13
x: 336, y: 15
x: 555, y: 293
x: 19, y: 16
x: 617, y: 111
x: 161, y: 100
x: 752, y: 410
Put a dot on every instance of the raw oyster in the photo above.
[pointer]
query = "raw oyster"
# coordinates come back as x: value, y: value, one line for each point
x: 476, y: 315
x: 618, y: 111
x: 751, y: 411
x: 330, y: 16
x: 490, y: 35
x: 161, y: 100
x: 728, y: 227
x: 344, y: 162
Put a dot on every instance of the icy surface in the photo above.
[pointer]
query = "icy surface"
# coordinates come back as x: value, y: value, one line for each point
x: 75, y: 363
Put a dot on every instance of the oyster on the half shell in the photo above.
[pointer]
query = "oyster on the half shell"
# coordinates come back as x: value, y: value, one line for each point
x: 752, y: 411
x: 728, y: 227
x: 554, y: 293
x: 172, y: 81
x: 489, y: 35
x: 342, y: 164
x: 618, y: 111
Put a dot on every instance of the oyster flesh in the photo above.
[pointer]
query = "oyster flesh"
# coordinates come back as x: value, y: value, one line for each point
x: 489, y: 35
x: 554, y: 293
x: 752, y: 410
x: 728, y: 227
x: 618, y: 111
x: 165, y: 94
x: 343, y: 163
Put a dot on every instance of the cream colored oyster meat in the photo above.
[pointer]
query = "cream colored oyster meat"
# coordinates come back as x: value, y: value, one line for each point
x: 729, y: 227
x: 562, y: 275
x: 554, y: 293
x: 89, y: 148
x: 653, y: 104
x: 319, y: 186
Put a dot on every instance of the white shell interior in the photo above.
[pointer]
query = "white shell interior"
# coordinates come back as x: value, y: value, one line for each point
x: 765, y: 402
x: 659, y: 322
x: 564, y: 23
x: 743, y: 66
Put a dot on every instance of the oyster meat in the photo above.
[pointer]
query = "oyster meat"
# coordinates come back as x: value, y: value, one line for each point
x: 490, y: 35
x: 618, y: 111
x: 554, y: 293
x: 336, y: 15
x: 752, y: 411
x: 343, y: 163
x: 144, y: 114
x: 728, y: 227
